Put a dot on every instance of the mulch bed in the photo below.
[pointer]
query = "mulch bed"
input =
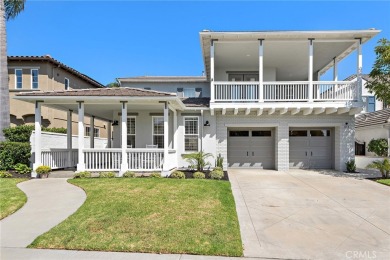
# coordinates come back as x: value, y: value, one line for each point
x: 15, y: 174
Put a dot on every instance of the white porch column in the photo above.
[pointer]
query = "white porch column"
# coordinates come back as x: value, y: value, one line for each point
x: 124, y: 164
x: 81, y: 163
x: 92, y: 132
x: 166, y: 140
x: 335, y: 70
x: 310, y: 91
x: 109, y: 134
x: 261, y: 70
x: 175, y: 135
x: 37, y: 139
x: 359, y: 70
x: 212, y: 89
x: 69, y: 137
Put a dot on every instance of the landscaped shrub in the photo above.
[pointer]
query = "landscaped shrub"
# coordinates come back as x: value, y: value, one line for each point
x: 177, y: 175
x: 82, y: 175
x: 155, y: 175
x: 382, y: 166
x: 44, y: 169
x: 216, y: 175
x: 107, y: 175
x: 199, y: 175
x: 4, y: 174
x: 22, y: 168
x: 378, y: 146
x: 351, y: 166
x: 197, y: 160
x: 129, y: 174
x: 219, y: 161
x: 12, y: 153
x: 218, y: 169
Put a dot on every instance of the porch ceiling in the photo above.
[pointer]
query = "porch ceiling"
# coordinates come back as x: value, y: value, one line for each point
x: 340, y: 51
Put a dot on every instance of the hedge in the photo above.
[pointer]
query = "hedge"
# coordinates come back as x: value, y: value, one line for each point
x: 12, y: 153
x: 22, y: 133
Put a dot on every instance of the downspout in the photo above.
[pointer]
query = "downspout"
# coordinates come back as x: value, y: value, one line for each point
x: 201, y: 121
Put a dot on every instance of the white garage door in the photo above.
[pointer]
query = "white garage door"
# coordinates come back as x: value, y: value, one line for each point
x: 311, y: 148
x: 251, y: 148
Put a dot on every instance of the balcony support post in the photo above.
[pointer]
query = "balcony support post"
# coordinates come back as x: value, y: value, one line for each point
x: 212, y: 90
x: 92, y: 132
x: 359, y: 70
x: 166, y: 140
x: 124, y: 165
x: 335, y: 70
x: 109, y: 137
x: 261, y: 70
x: 69, y: 137
x: 310, y: 91
x: 81, y: 164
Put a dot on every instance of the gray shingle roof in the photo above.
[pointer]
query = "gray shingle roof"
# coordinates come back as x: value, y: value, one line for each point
x: 196, y: 102
x: 164, y: 79
x: 48, y: 58
x: 366, y: 77
x: 374, y: 118
x: 109, y: 92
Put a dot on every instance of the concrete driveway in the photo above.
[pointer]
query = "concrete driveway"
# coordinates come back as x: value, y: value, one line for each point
x: 303, y: 214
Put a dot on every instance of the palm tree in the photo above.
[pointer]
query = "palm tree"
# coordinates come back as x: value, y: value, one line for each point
x: 9, y: 9
x: 382, y: 166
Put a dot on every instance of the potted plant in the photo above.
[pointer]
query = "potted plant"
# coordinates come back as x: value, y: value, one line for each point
x: 43, y: 171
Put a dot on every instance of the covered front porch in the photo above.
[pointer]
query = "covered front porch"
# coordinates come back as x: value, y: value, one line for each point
x: 134, y: 143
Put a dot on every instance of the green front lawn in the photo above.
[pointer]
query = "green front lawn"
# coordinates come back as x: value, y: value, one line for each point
x: 11, y: 197
x: 384, y: 181
x: 151, y: 215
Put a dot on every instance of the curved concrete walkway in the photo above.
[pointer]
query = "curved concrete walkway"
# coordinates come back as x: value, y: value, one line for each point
x: 49, y: 202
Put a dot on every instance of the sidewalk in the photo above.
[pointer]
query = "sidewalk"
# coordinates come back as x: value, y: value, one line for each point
x: 49, y: 202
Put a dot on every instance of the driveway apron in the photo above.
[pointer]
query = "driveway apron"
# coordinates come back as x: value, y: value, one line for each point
x: 302, y: 214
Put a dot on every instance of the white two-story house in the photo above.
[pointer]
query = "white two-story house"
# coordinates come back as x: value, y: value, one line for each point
x: 261, y: 104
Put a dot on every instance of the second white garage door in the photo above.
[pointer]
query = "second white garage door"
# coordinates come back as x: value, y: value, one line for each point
x: 310, y: 148
x: 251, y: 148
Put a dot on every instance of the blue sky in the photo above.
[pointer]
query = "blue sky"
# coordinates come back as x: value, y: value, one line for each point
x: 109, y: 39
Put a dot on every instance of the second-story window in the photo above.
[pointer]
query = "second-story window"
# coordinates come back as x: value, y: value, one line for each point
x: 34, y: 79
x: 18, y: 78
x: 66, y: 83
x: 189, y: 92
x: 371, y: 104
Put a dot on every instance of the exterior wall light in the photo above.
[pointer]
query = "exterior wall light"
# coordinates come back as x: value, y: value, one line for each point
x: 207, y: 123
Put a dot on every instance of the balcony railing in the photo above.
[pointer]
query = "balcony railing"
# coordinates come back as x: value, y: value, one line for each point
x: 285, y: 91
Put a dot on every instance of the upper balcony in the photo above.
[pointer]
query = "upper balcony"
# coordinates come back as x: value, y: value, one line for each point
x: 282, y: 69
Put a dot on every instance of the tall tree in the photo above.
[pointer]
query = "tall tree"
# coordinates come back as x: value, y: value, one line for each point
x: 380, y: 74
x: 9, y: 9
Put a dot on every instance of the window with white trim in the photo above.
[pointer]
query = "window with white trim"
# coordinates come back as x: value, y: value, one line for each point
x: 191, y: 133
x: 96, y: 131
x: 66, y: 82
x: 131, y: 132
x: 158, y: 131
x: 189, y: 92
x: 34, y: 78
x: 18, y: 78
x: 370, y: 104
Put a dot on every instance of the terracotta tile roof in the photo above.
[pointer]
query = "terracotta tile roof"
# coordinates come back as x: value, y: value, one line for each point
x: 374, y: 118
x: 48, y: 58
x: 109, y: 92
x: 196, y: 102
x: 164, y: 79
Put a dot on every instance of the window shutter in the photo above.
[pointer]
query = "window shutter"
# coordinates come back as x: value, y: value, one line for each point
x: 180, y: 92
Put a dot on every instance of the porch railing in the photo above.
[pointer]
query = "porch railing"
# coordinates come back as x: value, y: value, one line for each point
x: 102, y: 159
x: 227, y: 91
x: 59, y: 158
x: 334, y: 90
x: 145, y: 159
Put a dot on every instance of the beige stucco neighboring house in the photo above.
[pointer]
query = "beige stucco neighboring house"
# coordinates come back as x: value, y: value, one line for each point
x: 44, y: 73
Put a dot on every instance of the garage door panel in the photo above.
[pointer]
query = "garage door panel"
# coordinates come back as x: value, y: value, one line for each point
x: 251, y: 151
x: 311, y: 151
